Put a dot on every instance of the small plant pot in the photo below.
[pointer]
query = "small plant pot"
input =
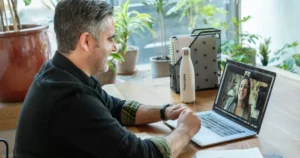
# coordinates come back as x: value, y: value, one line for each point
x: 127, y: 67
x: 159, y: 67
x: 108, y: 77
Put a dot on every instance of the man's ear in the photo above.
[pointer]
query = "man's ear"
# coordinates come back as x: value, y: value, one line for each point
x: 85, y: 41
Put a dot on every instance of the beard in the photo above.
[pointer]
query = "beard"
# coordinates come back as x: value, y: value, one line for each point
x: 99, y: 64
x: 102, y: 64
x: 105, y: 67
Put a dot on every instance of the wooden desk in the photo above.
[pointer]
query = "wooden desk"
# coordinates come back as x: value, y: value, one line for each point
x: 280, y: 131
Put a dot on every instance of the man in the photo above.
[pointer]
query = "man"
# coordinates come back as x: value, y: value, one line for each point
x: 67, y: 114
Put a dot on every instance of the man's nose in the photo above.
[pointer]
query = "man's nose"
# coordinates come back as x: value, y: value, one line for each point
x: 114, y: 47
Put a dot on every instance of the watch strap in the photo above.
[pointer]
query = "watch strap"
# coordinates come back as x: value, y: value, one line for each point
x: 162, y: 111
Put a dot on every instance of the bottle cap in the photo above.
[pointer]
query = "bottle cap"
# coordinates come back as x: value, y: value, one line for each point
x: 186, y: 51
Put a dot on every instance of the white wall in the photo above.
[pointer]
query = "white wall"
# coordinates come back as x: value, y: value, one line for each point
x: 279, y: 19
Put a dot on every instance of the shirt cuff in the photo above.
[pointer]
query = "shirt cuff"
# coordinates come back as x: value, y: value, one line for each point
x: 128, y: 112
x: 162, y: 145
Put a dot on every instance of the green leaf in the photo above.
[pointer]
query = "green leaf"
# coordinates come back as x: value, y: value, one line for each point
x: 245, y: 19
x: 27, y: 2
x: 290, y: 62
x: 285, y: 66
x: 274, y: 59
x: 296, y: 57
x: 208, y: 10
x: 221, y: 65
x: 221, y: 11
x: 117, y: 56
x: 233, y: 19
x: 195, y: 9
x: 129, y: 22
x: 293, y: 45
x: 111, y: 66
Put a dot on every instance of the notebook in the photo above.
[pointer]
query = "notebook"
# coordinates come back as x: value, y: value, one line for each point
x: 177, y: 43
x: 239, y: 106
x: 234, y: 153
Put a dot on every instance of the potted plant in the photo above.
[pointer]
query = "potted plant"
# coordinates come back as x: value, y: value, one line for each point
x: 24, y: 48
x: 264, y: 52
x: 241, y: 47
x: 109, y: 77
x: 283, y: 58
x: 287, y: 59
x: 127, y: 23
x: 160, y: 63
x: 195, y: 9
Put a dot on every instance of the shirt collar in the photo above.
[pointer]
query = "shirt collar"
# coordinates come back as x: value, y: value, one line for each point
x: 64, y: 63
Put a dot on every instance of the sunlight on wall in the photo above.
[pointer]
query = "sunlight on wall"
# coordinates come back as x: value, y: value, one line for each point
x: 277, y: 19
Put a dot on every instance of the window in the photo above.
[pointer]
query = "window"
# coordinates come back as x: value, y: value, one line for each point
x: 148, y: 46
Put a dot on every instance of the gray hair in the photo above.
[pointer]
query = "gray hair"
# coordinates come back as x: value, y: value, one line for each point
x: 74, y: 17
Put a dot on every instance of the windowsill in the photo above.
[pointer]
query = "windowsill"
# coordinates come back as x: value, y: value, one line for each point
x: 143, y: 72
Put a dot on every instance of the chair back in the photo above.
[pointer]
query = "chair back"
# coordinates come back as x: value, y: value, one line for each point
x: 6, y: 144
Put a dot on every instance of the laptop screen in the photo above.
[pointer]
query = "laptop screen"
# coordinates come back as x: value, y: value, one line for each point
x: 244, y: 93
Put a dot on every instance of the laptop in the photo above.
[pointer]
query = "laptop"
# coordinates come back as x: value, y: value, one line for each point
x: 239, y: 106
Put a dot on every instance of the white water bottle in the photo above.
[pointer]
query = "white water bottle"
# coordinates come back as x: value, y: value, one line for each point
x: 187, y: 77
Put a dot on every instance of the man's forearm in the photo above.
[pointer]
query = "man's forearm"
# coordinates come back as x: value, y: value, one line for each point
x: 178, y: 140
x: 173, y: 144
x: 147, y: 114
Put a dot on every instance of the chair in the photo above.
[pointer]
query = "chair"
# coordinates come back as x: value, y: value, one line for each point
x: 6, y: 144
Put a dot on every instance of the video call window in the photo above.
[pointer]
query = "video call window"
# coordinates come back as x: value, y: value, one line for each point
x: 244, y: 94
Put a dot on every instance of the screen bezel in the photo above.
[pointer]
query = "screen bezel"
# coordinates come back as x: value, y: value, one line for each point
x: 243, y: 67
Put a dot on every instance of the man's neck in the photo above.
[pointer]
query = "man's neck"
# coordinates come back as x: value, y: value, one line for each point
x: 79, y: 62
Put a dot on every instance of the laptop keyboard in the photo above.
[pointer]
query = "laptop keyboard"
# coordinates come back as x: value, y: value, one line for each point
x: 218, y: 126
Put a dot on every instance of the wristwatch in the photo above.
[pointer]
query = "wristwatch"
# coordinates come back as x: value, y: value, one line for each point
x: 162, y: 112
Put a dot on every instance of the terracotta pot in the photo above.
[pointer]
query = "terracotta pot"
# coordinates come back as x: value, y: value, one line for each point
x: 22, y: 53
x: 108, y: 77
x: 127, y: 67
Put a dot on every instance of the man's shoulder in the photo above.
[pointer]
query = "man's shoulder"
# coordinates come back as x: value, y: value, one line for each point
x: 50, y: 73
x: 53, y: 84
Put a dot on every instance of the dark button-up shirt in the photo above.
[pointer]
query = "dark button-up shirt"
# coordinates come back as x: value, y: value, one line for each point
x: 67, y: 114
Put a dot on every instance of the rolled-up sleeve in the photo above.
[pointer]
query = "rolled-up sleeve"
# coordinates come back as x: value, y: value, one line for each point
x: 128, y: 113
x: 128, y: 116
x: 163, y: 146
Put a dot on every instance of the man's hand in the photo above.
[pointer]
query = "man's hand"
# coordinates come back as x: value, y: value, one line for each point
x: 189, y: 123
x: 173, y: 112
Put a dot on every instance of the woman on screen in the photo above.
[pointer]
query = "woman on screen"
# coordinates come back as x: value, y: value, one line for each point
x: 239, y: 105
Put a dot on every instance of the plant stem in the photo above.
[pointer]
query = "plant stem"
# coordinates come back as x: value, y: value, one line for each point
x: 164, y: 37
x: 4, y: 11
x: 12, y: 16
x: 16, y: 14
x: 162, y: 33
x: 52, y: 4
x: 190, y: 19
x: 2, y: 21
